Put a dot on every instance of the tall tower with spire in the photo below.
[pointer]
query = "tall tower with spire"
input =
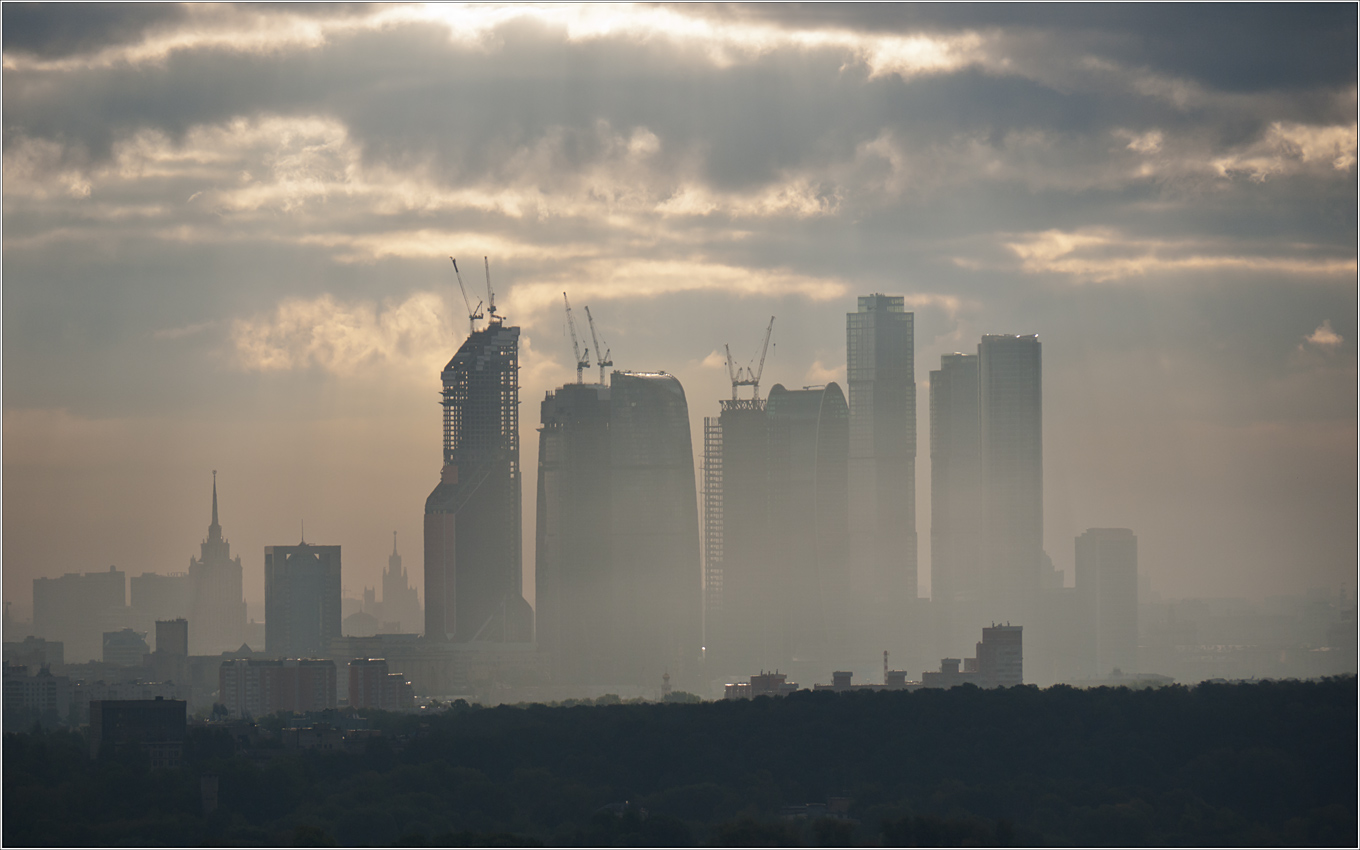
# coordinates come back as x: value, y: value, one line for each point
x: 217, y: 616
x: 400, y: 601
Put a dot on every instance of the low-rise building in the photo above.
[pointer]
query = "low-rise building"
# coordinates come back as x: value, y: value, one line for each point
x: 157, y: 726
x: 765, y: 684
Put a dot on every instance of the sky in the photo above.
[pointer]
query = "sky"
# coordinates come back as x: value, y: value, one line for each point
x: 227, y: 233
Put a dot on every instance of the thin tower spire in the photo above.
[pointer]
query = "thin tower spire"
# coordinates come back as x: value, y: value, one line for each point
x: 214, y: 529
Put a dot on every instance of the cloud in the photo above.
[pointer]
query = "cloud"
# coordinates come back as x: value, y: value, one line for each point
x: 182, y: 332
x: 1290, y: 148
x: 819, y: 374
x: 1324, y: 336
x: 1098, y: 255
x: 345, y: 338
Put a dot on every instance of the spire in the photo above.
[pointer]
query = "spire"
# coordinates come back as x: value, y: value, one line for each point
x: 394, y: 543
x: 214, y: 530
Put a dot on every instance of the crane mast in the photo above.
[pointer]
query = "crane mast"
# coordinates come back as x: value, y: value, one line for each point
x: 581, y: 362
x: 603, y: 360
x: 490, y: 296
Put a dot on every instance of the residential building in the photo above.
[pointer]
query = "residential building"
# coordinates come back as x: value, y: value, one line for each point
x: 77, y: 609
x: 125, y: 647
x: 257, y: 687
x: 156, y: 726
x: 372, y: 685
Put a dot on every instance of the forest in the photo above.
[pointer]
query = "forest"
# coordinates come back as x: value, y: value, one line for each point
x: 1260, y: 763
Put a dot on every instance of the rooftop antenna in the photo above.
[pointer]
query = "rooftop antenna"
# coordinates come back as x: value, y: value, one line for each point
x: 474, y: 313
x: 304, y: 530
x: 605, y: 360
x: 490, y: 296
x: 582, y: 361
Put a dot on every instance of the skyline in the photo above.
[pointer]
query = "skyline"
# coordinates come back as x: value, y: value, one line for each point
x: 224, y: 230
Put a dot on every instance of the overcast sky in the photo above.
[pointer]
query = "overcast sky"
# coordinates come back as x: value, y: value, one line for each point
x: 227, y: 231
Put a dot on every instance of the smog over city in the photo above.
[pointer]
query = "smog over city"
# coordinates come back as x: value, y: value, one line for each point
x: 866, y: 361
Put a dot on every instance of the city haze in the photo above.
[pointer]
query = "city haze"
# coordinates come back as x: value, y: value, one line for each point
x: 227, y: 233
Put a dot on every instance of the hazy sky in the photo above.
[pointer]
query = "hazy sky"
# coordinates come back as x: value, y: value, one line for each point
x: 227, y: 231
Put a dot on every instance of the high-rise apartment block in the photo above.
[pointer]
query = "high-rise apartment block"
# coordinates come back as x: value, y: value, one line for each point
x: 253, y: 687
x: 217, y: 605
x: 1107, y: 593
x: 77, y: 609
x: 372, y: 685
x: 473, y: 585
x: 301, y: 599
x: 880, y: 365
x: 956, y: 492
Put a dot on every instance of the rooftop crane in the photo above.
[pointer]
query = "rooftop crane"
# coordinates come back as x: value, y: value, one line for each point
x: 473, y: 314
x: 752, y: 377
x: 581, y: 361
x: 602, y: 361
x: 490, y: 296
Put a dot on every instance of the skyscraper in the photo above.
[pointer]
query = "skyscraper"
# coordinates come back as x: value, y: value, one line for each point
x: 1107, y: 592
x: 955, y: 480
x: 881, y: 371
x: 654, y: 529
x: 301, y: 599
x: 1010, y: 408
x: 473, y: 585
x: 807, y: 546
x: 740, y: 609
x: 217, y: 607
x: 400, y: 601
x: 957, y: 579
x: 576, y: 619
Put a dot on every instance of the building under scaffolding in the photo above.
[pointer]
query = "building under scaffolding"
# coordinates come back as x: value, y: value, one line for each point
x: 473, y: 586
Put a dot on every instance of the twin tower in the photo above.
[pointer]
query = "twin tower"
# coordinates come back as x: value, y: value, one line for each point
x: 618, y: 580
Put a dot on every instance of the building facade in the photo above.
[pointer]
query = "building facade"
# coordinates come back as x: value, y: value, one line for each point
x: 473, y: 583
x: 78, y: 608
x: 156, y: 726
x: 400, y: 602
x: 251, y: 687
x: 217, y: 604
x: 1010, y: 389
x: 654, y: 530
x: 372, y: 685
x: 301, y: 599
x: 807, y: 548
x: 574, y: 570
x: 880, y: 368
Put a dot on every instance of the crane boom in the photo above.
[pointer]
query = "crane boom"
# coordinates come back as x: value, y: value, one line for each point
x: 581, y: 362
x: 732, y: 371
x: 603, y: 360
x: 490, y: 296
x: 755, y: 383
x: 473, y: 313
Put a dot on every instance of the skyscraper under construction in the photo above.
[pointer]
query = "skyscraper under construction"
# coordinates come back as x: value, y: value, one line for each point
x: 473, y: 585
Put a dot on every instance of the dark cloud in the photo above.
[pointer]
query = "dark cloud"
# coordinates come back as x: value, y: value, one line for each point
x: 55, y: 30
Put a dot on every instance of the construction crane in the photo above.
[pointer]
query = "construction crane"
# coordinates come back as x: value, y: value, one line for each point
x: 490, y: 296
x: 582, y: 360
x: 605, y: 360
x: 746, y: 377
x: 473, y: 314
